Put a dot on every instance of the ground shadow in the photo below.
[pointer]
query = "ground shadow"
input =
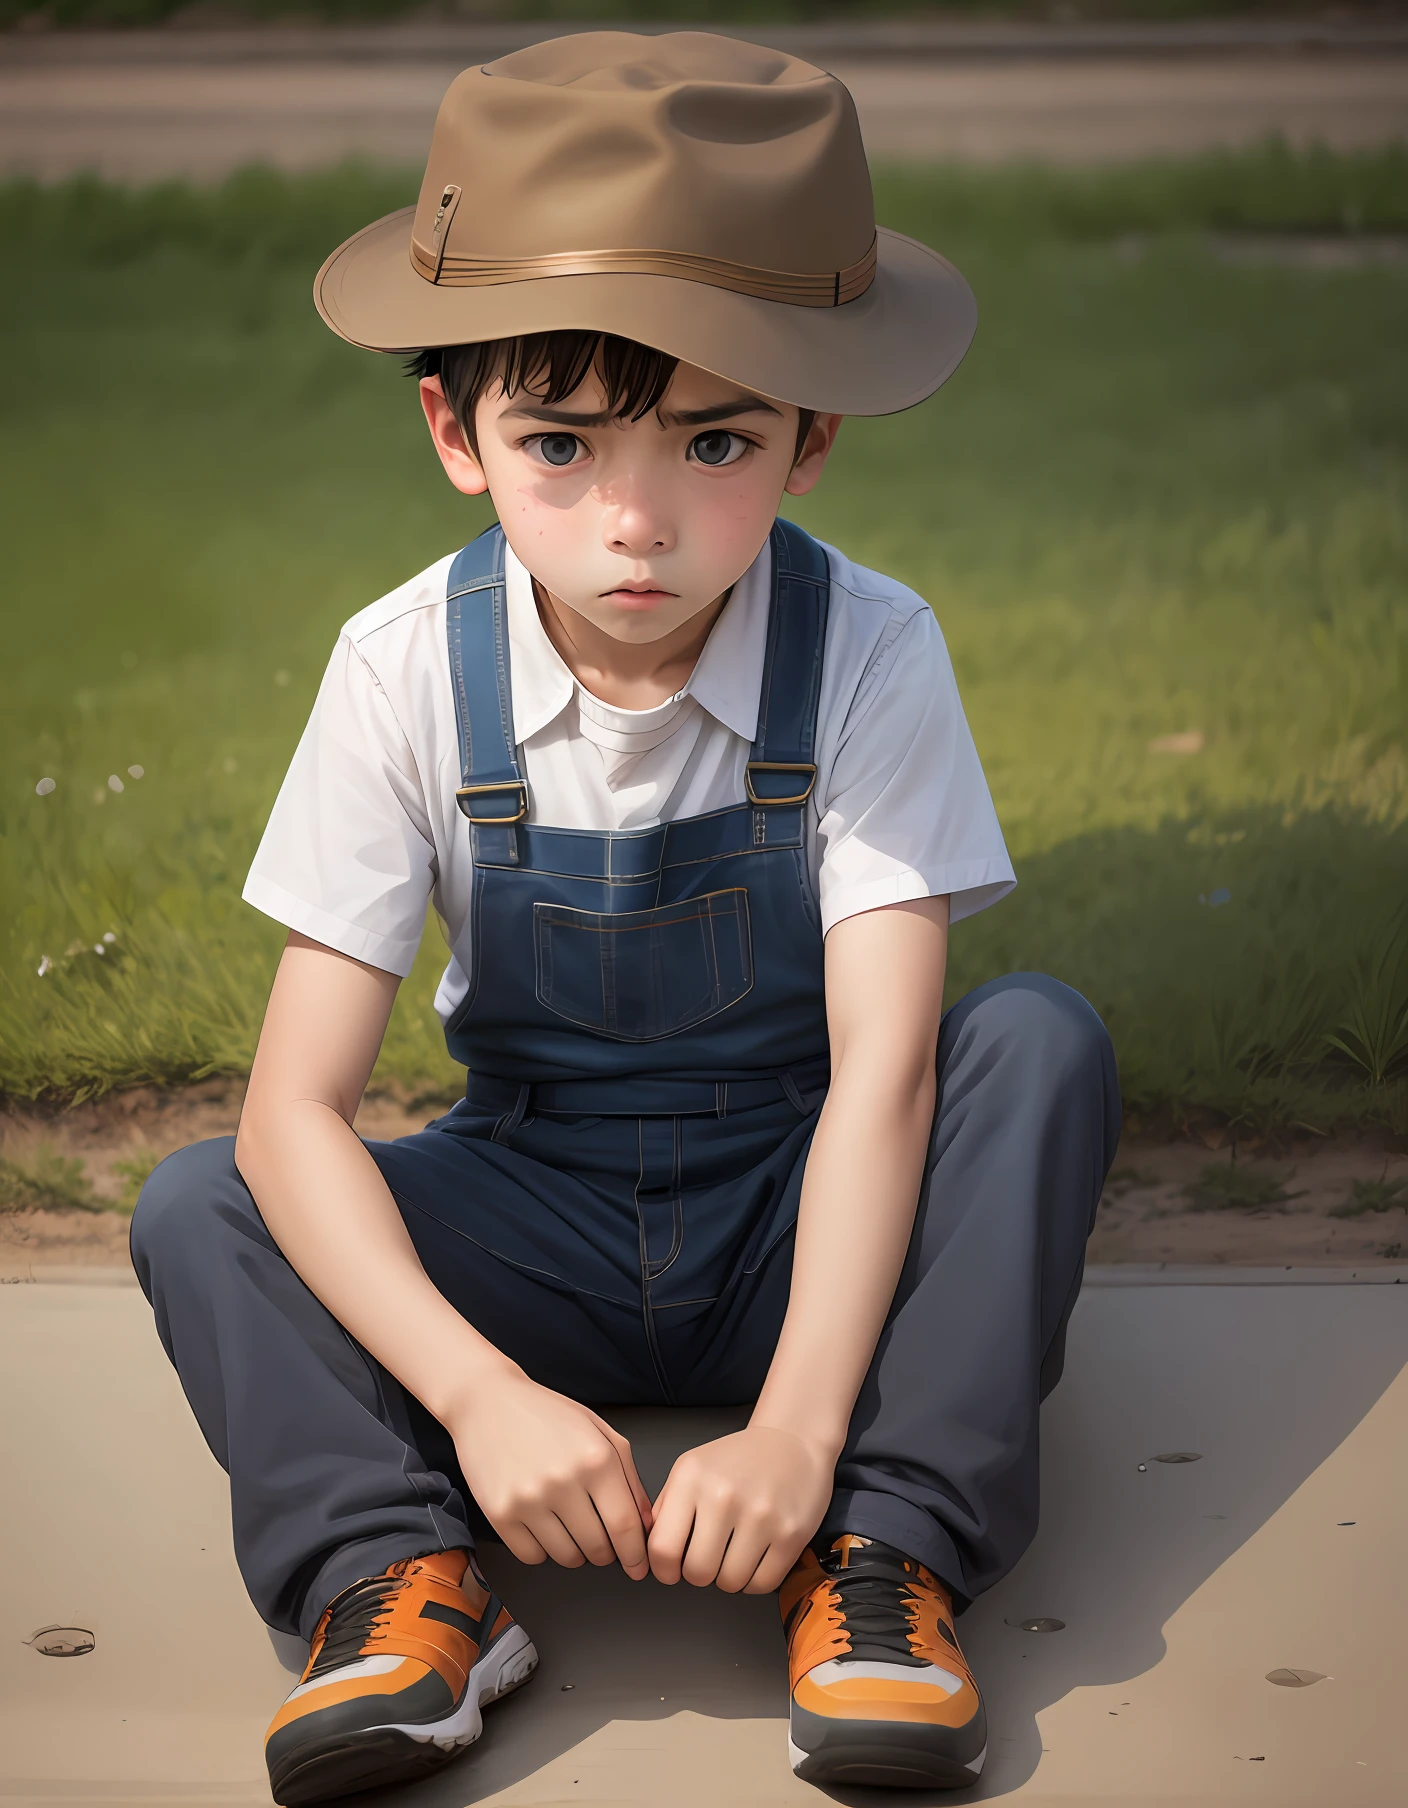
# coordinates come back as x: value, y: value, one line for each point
x: 1262, y: 1381
x: 1221, y: 949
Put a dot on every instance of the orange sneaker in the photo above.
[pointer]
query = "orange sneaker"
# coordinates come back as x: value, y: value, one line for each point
x: 880, y: 1691
x: 399, y: 1668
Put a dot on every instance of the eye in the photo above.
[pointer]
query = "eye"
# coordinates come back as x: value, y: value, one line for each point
x: 558, y: 448
x: 718, y: 448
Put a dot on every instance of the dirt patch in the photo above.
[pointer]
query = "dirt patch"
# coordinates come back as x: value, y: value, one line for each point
x: 103, y: 1150
x: 1321, y: 1203
x: 1199, y: 1198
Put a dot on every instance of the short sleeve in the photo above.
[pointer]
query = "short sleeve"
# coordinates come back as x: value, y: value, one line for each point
x: 906, y: 812
x: 347, y: 857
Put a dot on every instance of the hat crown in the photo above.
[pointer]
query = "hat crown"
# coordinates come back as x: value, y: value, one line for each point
x: 619, y: 142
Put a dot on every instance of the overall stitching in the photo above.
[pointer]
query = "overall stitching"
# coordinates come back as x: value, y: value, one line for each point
x: 508, y: 1261
x: 557, y: 915
x: 432, y: 1508
x: 656, y: 1269
x: 657, y: 1360
x: 615, y: 881
x: 466, y: 1004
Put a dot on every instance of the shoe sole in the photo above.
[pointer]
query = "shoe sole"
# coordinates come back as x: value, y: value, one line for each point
x: 346, y: 1764
x: 882, y: 1753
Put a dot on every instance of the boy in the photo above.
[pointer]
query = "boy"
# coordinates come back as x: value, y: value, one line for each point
x: 696, y: 801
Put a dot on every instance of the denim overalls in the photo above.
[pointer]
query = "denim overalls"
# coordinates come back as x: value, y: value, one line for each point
x: 645, y: 1013
x: 685, y: 953
x: 611, y: 1203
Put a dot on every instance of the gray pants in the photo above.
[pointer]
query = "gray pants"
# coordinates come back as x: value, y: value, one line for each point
x: 626, y: 1260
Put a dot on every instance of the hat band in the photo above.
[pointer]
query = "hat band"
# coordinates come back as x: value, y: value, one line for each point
x: 830, y: 290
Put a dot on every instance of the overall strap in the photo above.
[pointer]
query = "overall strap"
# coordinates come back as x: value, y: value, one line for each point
x: 491, y: 790
x: 782, y: 765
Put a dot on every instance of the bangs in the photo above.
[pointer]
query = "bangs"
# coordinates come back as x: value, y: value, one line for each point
x: 553, y: 366
x: 550, y: 366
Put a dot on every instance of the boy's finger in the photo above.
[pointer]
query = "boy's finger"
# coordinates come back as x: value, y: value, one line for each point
x: 674, y: 1516
x: 556, y: 1540
x: 628, y: 1465
x: 644, y: 1505
x: 521, y: 1542
x: 585, y: 1529
x: 745, y: 1552
x: 708, y: 1540
x: 772, y: 1571
x: 627, y: 1514
x: 620, y: 1517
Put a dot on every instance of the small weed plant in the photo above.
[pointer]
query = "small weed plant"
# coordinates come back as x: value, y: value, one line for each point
x: 133, y: 1172
x: 1130, y: 1180
x: 1382, y: 1195
x: 1227, y: 1187
x: 46, y: 1181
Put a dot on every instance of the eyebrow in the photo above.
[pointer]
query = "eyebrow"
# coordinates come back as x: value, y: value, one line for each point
x: 721, y: 411
x: 689, y: 417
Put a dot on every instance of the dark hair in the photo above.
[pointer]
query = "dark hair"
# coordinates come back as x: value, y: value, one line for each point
x: 551, y: 366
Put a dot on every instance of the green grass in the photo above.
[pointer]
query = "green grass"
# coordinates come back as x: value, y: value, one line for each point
x: 1164, y: 495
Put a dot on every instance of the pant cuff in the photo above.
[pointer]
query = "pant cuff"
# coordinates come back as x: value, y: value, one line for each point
x: 898, y: 1522
x: 370, y: 1557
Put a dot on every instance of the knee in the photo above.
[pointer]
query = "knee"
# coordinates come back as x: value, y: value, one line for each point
x: 1031, y: 1019
x: 179, y: 1204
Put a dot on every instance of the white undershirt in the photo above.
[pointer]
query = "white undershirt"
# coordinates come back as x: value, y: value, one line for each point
x: 623, y: 738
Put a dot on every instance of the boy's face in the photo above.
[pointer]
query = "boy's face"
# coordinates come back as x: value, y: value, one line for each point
x: 636, y: 525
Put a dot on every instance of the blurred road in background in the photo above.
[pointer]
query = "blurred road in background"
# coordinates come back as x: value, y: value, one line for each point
x: 138, y: 106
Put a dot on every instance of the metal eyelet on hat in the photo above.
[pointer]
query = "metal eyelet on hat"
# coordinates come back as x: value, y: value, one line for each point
x: 440, y: 227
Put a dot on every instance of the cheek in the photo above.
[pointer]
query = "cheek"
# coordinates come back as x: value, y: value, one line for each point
x: 523, y: 491
x: 736, y: 517
x: 542, y: 507
x: 551, y: 512
x: 552, y: 527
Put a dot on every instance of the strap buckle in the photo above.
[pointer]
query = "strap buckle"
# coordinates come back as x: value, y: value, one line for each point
x: 766, y: 795
x: 466, y: 792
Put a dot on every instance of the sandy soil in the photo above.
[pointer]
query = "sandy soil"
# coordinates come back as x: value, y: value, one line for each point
x: 1145, y: 1215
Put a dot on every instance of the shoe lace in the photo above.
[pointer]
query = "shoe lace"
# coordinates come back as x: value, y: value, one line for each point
x: 876, y: 1597
x: 355, y: 1622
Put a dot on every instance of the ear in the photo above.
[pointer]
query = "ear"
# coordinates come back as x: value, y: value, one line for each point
x: 816, y: 449
x: 461, y: 466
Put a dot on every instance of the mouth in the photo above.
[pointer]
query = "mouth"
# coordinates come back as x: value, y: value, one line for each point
x: 637, y: 596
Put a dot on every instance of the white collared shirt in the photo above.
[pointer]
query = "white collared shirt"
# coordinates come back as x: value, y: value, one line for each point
x: 366, y: 832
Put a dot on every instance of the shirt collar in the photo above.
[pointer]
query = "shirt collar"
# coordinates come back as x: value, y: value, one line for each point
x: 542, y: 684
x: 727, y: 679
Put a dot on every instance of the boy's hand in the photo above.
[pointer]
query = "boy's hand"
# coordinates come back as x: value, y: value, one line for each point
x: 553, y: 1479
x: 738, y: 1511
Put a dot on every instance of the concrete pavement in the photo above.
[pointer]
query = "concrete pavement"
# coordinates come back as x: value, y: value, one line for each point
x: 1179, y: 1587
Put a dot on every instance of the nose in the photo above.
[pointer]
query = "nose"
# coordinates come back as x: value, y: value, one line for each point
x: 635, y: 524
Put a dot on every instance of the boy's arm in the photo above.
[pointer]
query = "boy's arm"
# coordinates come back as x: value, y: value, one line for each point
x: 738, y: 1511
x: 554, y: 1479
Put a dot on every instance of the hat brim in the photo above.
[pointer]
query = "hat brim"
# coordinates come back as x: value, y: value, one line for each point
x: 887, y: 350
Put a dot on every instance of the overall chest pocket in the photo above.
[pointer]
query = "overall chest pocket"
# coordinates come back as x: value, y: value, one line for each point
x: 644, y: 974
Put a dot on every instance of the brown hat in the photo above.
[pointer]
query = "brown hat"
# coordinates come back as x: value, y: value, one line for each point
x: 702, y: 196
